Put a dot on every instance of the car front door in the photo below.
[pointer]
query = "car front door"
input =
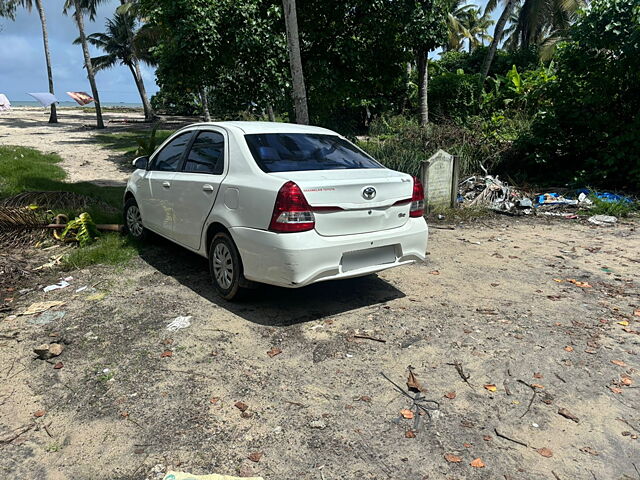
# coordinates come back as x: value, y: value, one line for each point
x: 196, y: 186
x: 155, y: 189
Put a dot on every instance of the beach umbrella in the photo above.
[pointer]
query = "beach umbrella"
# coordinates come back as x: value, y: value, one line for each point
x: 45, y: 99
x: 5, y: 104
x: 82, y: 98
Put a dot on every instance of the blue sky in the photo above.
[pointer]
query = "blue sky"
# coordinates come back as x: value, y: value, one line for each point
x: 22, y: 65
x: 23, y: 69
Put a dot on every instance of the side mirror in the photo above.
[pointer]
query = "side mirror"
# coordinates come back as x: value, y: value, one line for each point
x: 141, y: 163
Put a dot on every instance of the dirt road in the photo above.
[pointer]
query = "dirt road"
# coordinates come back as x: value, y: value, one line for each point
x: 493, y: 298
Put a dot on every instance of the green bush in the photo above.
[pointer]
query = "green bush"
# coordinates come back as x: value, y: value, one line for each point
x: 454, y: 95
x: 590, y: 132
x: 402, y: 144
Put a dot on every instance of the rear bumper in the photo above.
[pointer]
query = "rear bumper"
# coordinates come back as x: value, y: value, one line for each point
x: 298, y: 259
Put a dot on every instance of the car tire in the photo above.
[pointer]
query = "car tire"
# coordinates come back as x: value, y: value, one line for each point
x: 226, y: 268
x: 133, y: 221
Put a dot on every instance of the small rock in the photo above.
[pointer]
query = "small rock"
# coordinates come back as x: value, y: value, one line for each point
x: 55, y: 349
x: 42, y: 351
x: 318, y: 424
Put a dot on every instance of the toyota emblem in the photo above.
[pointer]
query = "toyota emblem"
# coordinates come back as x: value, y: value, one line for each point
x: 369, y: 193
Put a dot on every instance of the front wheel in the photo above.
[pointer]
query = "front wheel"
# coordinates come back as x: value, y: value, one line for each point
x: 133, y: 220
x: 226, y: 267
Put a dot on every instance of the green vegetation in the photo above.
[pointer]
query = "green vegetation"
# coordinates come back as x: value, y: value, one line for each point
x: 26, y: 169
x: 110, y: 249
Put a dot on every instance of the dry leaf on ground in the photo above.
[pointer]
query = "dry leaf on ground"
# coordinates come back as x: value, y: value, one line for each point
x: 241, y: 406
x: 408, y: 414
x: 619, y: 363
x: 545, y: 452
x: 569, y: 348
x: 624, y: 323
x: 567, y: 414
x: 491, y: 387
x: 451, y: 458
x: 274, y: 351
x: 537, y: 375
x: 166, y: 353
x: 590, y: 451
x: 615, y: 389
x: 255, y: 456
x: 450, y: 395
x: 477, y: 463
x: 410, y: 434
x: 537, y: 385
x: 626, y: 380
x: 39, y: 413
x: 413, y: 384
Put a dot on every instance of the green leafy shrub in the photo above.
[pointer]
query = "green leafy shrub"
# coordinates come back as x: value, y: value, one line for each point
x: 454, y: 95
x: 590, y: 131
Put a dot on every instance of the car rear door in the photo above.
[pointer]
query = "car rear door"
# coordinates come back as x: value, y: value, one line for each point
x: 155, y: 194
x: 196, y: 185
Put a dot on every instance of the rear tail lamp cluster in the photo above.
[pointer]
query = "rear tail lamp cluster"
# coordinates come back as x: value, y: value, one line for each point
x: 291, y: 212
x: 417, y: 199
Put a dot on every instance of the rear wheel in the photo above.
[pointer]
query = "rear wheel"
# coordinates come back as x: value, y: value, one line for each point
x: 133, y: 220
x: 226, y: 267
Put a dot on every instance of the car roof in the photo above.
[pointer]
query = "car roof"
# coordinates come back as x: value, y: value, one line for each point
x: 270, y: 127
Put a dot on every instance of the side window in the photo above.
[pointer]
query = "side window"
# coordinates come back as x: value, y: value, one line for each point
x: 206, y: 154
x: 168, y: 160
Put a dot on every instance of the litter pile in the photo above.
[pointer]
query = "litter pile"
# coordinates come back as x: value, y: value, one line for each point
x: 490, y: 192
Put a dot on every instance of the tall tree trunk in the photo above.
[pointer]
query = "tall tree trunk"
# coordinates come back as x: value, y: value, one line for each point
x: 205, y: 104
x: 423, y: 84
x: 497, y: 36
x: 87, y: 62
x: 272, y: 115
x: 295, y: 60
x: 53, y: 118
x: 149, y: 114
x: 134, y: 67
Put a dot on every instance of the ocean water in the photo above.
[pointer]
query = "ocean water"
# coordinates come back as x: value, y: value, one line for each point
x: 33, y: 103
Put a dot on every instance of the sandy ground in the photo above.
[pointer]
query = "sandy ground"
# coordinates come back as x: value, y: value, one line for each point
x: 487, y: 299
x: 129, y: 399
x: 73, y: 138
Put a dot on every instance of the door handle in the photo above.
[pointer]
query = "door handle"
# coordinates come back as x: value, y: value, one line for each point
x: 166, y: 184
x: 207, y: 188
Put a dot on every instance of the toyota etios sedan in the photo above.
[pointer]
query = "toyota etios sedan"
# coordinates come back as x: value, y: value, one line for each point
x: 276, y: 203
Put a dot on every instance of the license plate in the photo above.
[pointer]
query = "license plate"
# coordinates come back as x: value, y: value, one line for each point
x: 368, y: 258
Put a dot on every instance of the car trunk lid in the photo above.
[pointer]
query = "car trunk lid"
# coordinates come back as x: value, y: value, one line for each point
x: 353, y: 201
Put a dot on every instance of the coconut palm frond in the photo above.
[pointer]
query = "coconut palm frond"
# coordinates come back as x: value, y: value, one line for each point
x: 22, y: 226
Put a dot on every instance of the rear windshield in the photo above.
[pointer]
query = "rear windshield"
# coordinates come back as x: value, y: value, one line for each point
x: 291, y: 152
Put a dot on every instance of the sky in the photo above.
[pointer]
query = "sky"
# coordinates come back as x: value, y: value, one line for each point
x: 23, y: 68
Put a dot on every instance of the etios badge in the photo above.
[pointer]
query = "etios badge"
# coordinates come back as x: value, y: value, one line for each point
x: 369, y: 193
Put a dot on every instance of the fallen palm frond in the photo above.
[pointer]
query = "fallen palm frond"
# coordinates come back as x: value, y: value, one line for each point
x: 27, y: 226
x: 55, y: 201
x: 22, y: 226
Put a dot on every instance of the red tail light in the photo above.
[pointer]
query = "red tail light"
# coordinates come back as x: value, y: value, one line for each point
x: 292, y: 212
x: 417, y: 199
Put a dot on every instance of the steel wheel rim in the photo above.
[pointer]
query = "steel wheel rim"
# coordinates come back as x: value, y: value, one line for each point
x: 134, y: 221
x: 223, y: 266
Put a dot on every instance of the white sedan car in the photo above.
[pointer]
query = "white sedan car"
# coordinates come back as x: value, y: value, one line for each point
x: 276, y: 203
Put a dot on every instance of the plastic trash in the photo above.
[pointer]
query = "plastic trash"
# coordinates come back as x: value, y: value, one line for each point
x: 57, y: 286
x: 603, y: 220
x: 179, y: 323
x: 554, y: 199
x: 39, y: 307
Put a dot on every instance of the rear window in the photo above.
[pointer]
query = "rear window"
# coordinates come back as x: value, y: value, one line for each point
x: 291, y: 152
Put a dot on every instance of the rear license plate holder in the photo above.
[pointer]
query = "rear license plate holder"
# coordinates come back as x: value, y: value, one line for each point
x: 368, y: 258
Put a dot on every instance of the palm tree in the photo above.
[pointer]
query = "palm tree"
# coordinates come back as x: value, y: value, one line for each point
x: 509, y: 5
x: 456, y: 19
x: 119, y: 44
x: 80, y: 7
x: 293, y: 41
x: 476, y: 27
x: 7, y: 9
x: 542, y: 22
